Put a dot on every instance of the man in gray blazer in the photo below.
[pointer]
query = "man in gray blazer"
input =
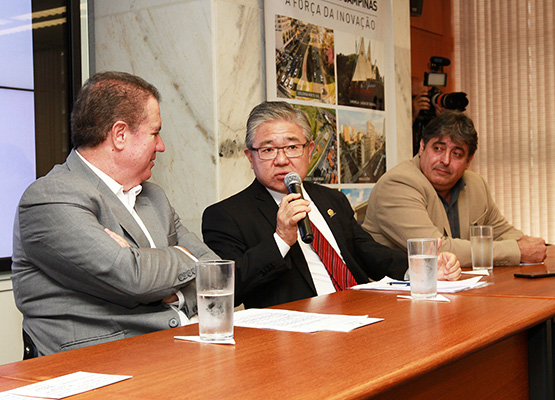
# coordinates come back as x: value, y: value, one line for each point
x: 435, y: 195
x: 99, y: 253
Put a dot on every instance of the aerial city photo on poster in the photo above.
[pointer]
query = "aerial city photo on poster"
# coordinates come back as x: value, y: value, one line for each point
x: 361, y: 146
x: 323, y: 166
x: 360, y: 80
x: 304, y: 61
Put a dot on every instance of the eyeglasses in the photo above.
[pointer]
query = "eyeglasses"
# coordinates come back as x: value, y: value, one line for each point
x: 290, y: 151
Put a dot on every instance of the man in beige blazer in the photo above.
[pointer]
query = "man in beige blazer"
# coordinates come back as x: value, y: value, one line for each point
x: 435, y: 195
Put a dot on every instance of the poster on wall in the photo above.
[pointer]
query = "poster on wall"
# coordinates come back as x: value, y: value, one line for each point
x: 333, y: 59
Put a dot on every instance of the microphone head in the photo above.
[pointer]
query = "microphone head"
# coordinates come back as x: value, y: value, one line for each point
x: 292, y: 178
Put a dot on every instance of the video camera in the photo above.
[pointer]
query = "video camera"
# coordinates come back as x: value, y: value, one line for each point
x: 436, y: 77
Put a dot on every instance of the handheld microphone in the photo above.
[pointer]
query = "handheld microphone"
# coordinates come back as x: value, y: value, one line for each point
x: 293, y: 183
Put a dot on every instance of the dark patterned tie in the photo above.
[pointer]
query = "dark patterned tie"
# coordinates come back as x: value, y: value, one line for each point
x: 340, y: 275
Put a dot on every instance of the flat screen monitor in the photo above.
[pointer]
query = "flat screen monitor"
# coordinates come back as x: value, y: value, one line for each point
x: 37, y: 60
x: 17, y: 119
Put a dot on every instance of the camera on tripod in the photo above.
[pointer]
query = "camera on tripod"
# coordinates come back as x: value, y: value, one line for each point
x: 436, y: 78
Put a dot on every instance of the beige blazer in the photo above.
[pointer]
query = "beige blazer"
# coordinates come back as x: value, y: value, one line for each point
x: 404, y: 205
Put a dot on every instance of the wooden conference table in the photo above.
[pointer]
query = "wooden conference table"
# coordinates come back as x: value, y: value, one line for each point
x: 476, y: 346
x: 503, y: 283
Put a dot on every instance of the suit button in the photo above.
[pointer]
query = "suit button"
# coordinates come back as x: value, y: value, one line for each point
x: 182, y: 276
x: 173, y: 323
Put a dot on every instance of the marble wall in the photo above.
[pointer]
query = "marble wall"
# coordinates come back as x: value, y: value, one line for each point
x: 207, y: 59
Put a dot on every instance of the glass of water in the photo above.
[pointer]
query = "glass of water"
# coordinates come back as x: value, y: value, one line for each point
x: 215, y: 288
x: 481, y: 246
x: 422, y: 267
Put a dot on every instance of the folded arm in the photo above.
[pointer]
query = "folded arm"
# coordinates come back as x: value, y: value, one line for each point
x: 62, y: 235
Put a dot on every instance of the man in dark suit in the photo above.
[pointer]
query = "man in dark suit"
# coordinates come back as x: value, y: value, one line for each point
x: 258, y: 227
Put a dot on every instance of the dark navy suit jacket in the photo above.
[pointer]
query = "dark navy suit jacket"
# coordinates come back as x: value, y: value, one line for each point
x: 241, y: 228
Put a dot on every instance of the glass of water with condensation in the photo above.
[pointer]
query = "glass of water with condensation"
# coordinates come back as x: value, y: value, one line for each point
x: 422, y: 255
x: 215, y: 288
x: 481, y: 246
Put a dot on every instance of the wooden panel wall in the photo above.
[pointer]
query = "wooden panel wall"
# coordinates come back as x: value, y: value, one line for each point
x: 432, y: 35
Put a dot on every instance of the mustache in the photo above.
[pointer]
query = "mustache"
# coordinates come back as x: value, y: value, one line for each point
x: 444, y: 169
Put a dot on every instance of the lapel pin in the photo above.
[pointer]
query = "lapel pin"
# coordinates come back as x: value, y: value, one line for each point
x: 331, y: 213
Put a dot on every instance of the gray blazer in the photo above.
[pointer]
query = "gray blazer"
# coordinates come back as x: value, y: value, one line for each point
x: 74, y: 284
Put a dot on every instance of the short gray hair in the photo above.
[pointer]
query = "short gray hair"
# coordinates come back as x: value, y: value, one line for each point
x: 269, y: 111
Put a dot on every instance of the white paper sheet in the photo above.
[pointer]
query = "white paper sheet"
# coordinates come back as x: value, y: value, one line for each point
x: 484, y: 272
x: 199, y: 340
x: 297, y: 321
x: 67, y: 385
x: 442, y: 286
x: 10, y: 396
x: 439, y: 298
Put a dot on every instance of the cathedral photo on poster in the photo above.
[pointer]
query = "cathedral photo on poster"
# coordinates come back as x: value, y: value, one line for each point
x: 360, y: 79
x: 361, y: 146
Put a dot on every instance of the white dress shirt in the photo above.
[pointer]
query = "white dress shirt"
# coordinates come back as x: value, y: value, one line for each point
x: 128, y: 199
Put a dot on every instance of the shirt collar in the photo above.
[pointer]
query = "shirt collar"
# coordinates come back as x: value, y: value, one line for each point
x: 455, y: 191
x: 278, y: 196
x: 114, y: 186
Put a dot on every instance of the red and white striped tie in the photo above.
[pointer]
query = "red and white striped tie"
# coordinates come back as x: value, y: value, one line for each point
x: 340, y: 275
